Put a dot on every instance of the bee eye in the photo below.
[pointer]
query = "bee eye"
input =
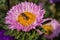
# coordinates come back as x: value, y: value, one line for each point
x: 25, y: 16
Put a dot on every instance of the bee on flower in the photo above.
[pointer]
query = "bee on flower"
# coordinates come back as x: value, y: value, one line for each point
x: 24, y: 16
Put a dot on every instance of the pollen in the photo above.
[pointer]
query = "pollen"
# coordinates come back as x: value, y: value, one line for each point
x: 48, y: 29
x: 26, y: 18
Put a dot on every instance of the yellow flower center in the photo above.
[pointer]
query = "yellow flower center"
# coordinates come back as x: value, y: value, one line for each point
x: 48, y: 29
x: 26, y: 18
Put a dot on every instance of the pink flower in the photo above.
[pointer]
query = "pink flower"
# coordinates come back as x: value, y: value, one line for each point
x: 24, y: 16
x: 52, y: 29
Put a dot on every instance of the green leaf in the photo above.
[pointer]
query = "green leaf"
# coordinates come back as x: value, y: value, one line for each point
x: 8, y: 32
x: 3, y: 4
x: 2, y: 18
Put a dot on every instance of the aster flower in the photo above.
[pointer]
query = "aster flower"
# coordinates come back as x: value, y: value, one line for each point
x: 24, y: 16
x: 4, y: 37
x: 52, y: 29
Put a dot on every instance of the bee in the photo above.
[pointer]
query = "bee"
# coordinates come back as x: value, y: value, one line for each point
x: 25, y: 16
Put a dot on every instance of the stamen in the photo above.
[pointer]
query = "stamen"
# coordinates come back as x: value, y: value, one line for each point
x: 48, y: 29
x: 26, y: 18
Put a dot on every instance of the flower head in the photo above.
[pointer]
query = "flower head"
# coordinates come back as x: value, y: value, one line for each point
x: 4, y: 37
x: 52, y: 29
x: 24, y: 16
